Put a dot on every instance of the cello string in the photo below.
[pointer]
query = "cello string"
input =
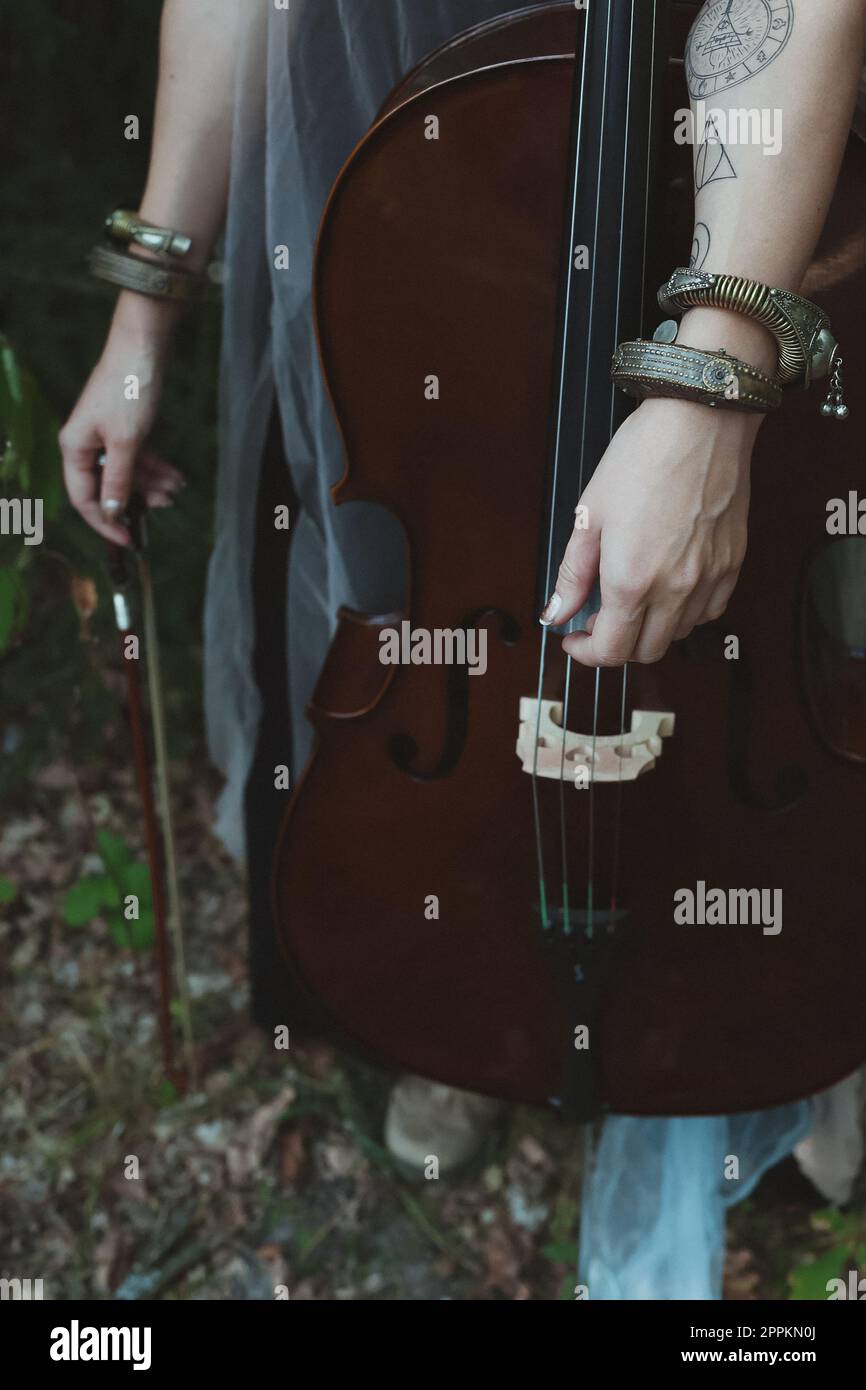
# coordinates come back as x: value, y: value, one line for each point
x: 536, y: 807
x: 582, y: 457
x: 557, y: 450
x: 563, y: 841
x: 646, y: 209
x: 590, y: 894
x: 618, y: 817
x: 613, y: 404
x: 617, y: 825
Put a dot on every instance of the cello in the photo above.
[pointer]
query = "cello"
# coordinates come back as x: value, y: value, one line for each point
x: 445, y: 888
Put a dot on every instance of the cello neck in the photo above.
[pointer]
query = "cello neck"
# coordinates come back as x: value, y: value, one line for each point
x: 620, y: 69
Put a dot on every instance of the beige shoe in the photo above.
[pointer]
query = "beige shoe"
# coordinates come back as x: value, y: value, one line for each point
x: 432, y: 1129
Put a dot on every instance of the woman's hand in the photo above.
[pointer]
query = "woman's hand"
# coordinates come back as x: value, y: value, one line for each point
x: 116, y: 416
x: 667, y: 512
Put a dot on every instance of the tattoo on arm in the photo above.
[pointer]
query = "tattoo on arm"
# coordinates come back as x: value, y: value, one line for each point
x: 712, y: 161
x: 700, y: 246
x: 732, y: 40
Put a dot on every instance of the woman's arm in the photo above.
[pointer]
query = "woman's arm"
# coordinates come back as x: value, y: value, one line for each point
x: 186, y: 189
x: 758, y: 214
x: 668, y: 505
x: 187, y: 182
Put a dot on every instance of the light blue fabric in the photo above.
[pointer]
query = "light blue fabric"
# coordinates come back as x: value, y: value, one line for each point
x: 656, y: 1192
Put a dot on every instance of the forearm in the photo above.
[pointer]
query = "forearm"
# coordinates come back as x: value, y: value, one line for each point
x: 187, y: 181
x: 760, y: 214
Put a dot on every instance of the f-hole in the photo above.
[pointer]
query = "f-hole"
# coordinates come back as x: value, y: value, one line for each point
x: 403, y: 748
x: 790, y: 783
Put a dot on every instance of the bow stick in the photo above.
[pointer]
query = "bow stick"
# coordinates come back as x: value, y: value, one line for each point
x: 156, y: 811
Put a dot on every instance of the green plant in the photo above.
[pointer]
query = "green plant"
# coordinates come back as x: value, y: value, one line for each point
x: 70, y: 160
x: 846, y: 1232
x: 53, y: 689
x: 29, y: 466
x: 122, y: 896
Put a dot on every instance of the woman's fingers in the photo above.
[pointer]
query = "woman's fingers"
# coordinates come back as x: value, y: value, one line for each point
x: 707, y: 605
x: 158, y: 480
x: 116, y: 478
x: 81, y: 474
x: 719, y: 599
x: 151, y: 470
x: 100, y: 493
x: 612, y: 639
x: 577, y: 574
x: 694, y: 610
x: 623, y: 631
x: 660, y: 627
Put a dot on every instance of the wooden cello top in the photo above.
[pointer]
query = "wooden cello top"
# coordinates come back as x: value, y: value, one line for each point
x: 860, y: 109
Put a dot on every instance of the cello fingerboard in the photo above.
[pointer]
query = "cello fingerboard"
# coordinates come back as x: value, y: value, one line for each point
x: 615, y: 140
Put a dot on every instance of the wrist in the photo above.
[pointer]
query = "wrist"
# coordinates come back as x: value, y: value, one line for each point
x: 144, y: 318
x: 737, y: 428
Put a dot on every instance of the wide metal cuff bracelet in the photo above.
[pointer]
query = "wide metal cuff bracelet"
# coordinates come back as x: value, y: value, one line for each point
x: 806, y: 345
x: 125, y: 226
x: 644, y: 368
x: 144, y: 277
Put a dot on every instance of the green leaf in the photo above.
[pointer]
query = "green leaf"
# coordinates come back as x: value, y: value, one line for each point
x: 565, y: 1218
x: 177, y: 1010
x: 120, y: 930
x: 830, y: 1219
x: 86, y: 899
x: 46, y: 465
x: 136, y: 880
x: 10, y: 604
x: 136, y: 934
x: 809, y: 1282
x: 562, y: 1253
x: 11, y: 374
x: 114, y: 853
x: 142, y: 932
x: 8, y: 891
x: 16, y: 418
x: 31, y: 460
x: 166, y: 1093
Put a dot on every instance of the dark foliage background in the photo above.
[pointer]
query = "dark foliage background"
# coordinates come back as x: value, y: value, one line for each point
x: 70, y: 72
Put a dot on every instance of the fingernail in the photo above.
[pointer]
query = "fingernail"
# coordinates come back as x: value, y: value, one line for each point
x: 554, y: 603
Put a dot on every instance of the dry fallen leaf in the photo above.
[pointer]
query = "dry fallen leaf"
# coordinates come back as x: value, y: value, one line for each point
x: 741, y: 1277
x: 532, y: 1151
x: 254, y: 1137
x: 292, y: 1155
x: 271, y: 1256
x: 105, y: 1255
x: 83, y: 593
x: 502, y: 1261
x: 317, y: 1058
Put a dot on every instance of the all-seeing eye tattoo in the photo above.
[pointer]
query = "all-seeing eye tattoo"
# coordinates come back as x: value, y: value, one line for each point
x: 732, y: 40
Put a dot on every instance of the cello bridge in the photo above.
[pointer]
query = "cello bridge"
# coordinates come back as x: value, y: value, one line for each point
x: 546, y: 750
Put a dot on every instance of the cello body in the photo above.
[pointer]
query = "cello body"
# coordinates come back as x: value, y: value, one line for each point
x: 405, y: 879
